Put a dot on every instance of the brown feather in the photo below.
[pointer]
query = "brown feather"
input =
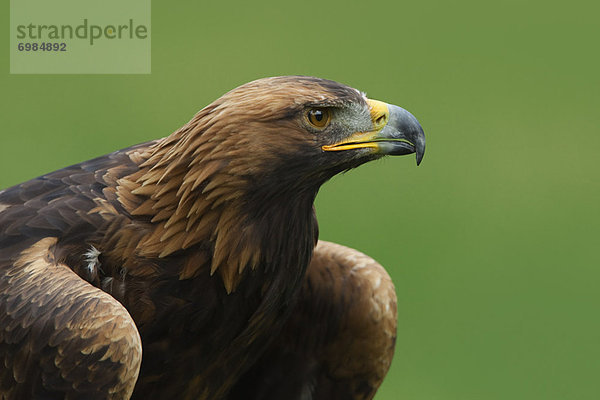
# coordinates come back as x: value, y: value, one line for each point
x: 83, y: 320
x: 339, y: 342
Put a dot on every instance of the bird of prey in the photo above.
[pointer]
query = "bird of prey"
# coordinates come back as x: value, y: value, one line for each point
x: 189, y: 267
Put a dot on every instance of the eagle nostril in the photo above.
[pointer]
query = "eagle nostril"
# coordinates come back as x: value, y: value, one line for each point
x: 381, y: 120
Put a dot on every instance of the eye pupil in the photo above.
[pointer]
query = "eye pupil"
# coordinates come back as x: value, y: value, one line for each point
x: 318, y: 114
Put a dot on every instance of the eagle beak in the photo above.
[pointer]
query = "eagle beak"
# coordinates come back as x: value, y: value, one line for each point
x: 395, y: 132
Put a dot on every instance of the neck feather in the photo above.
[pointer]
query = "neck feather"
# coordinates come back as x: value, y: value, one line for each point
x: 194, y: 192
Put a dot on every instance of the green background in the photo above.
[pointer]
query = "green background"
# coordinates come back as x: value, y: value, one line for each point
x: 492, y: 242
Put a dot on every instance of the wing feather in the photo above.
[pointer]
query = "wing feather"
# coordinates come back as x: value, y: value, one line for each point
x: 59, y: 334
x: 339, y: 341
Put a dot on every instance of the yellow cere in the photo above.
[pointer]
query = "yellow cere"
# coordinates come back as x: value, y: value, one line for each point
x: 379, y: 113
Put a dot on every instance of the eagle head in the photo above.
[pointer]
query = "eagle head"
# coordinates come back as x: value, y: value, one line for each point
x: 296, y: 132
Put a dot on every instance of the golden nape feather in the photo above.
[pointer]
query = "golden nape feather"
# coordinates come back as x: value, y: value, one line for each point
x: 202, y: 248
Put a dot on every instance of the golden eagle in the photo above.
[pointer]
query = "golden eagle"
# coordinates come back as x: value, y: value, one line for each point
x: 189, y: 267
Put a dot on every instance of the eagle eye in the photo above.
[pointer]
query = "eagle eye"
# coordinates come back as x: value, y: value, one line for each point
x: 318, y: 117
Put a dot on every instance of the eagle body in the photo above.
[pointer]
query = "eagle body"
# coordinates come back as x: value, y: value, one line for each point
x: 189, y: 267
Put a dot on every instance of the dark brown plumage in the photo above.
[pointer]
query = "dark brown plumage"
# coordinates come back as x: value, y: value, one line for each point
x: 196, y: 248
